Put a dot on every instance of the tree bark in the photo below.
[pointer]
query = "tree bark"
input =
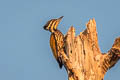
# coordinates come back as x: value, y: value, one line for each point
x: 82, y: 57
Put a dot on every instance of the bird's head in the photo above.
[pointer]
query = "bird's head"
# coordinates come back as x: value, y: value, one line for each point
x: 52, y: 24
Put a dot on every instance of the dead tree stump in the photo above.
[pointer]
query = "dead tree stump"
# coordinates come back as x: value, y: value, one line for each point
x: 83, y: 59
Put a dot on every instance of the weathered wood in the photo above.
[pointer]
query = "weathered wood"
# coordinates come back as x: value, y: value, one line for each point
x: 83, y: 59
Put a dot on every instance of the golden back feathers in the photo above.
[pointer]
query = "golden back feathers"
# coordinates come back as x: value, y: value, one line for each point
x: 56, y: 44
x: 52, y: 24
x: 56, y: 39
x: 53, y: 45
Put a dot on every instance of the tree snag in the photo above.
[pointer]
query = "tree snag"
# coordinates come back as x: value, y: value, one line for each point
x: 83, y: 59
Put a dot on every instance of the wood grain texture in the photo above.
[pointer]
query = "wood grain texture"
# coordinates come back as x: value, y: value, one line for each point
x: 83, y: 59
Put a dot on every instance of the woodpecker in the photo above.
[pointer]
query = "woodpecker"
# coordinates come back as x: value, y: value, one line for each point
x: 56, y: 39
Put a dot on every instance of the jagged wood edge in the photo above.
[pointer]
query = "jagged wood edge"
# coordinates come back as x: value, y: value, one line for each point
x: 108, y: 60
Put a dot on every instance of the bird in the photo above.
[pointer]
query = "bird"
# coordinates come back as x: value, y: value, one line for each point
x: 56, y: 39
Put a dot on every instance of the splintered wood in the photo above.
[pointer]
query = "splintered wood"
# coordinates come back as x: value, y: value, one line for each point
x: 83, y: 59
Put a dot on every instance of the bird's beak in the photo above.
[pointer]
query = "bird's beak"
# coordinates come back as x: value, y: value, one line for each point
x: 59, y: 19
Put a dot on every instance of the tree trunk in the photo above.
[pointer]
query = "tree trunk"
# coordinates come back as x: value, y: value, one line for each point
x: 83, y: 59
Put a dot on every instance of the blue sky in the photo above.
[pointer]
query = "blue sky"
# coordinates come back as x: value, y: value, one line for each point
x: 24, y: 45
